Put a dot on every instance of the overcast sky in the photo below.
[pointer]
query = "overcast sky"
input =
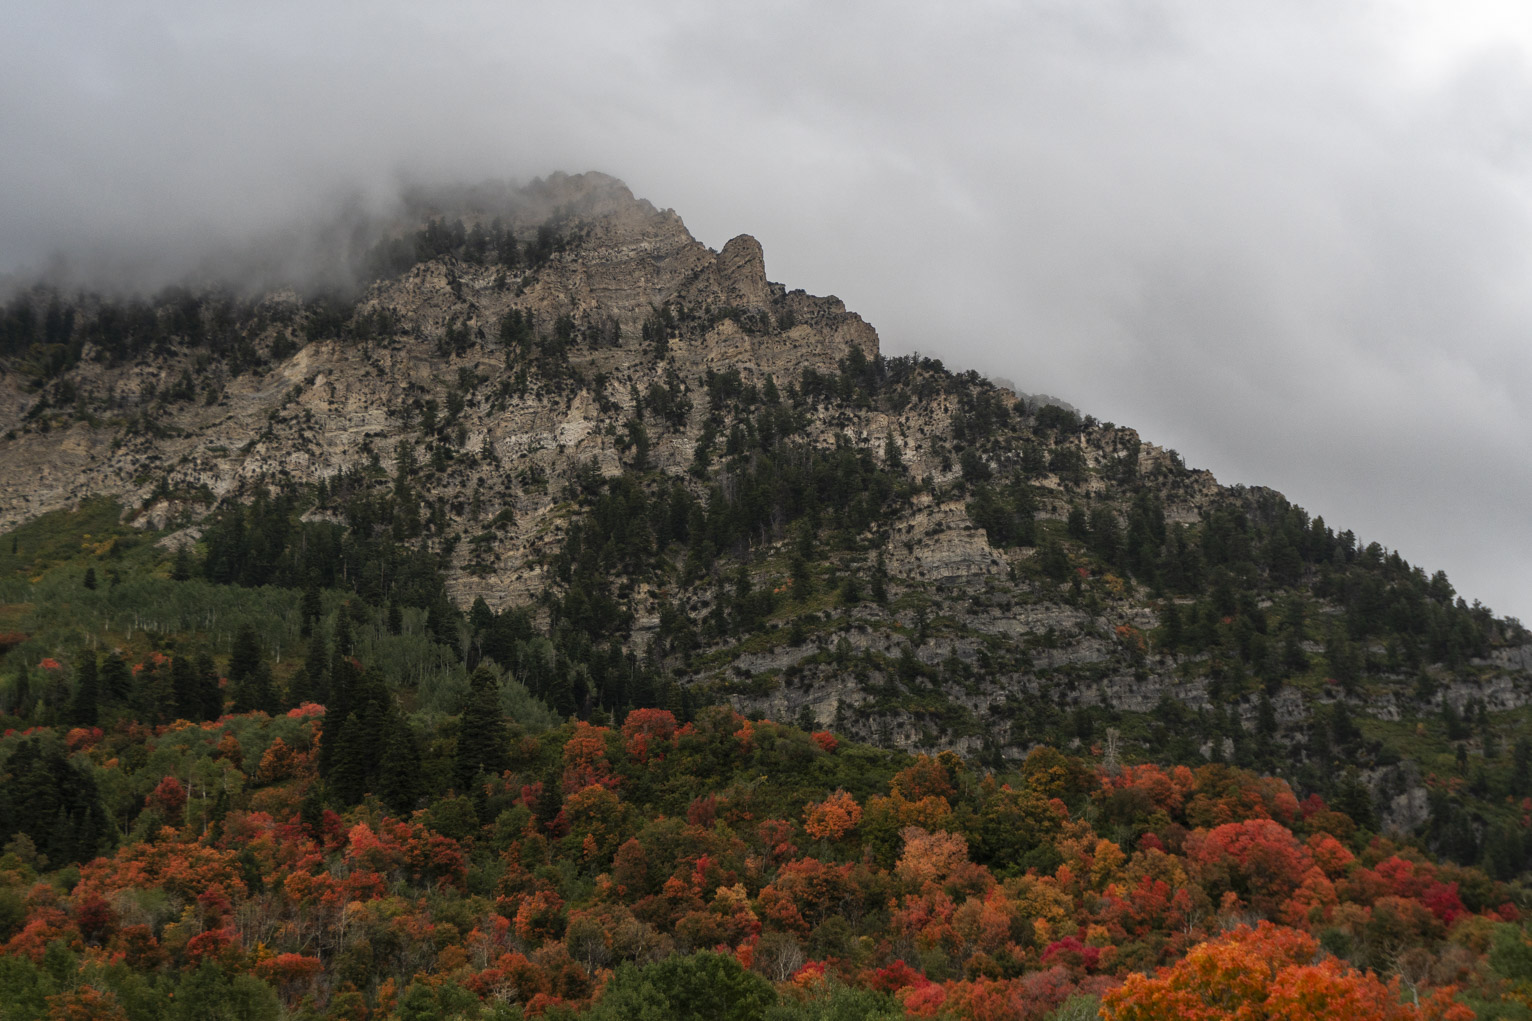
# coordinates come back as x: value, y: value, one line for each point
x: 1288, y: 238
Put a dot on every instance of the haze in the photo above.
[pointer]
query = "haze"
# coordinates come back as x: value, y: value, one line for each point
x: 1288, y: 239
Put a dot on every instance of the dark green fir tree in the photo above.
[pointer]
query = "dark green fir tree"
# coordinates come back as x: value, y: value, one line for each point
x: 85, y: 710
x: 482, y: 738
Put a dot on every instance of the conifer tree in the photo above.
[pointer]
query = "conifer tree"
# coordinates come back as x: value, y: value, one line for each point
x: 312, y: 682
x: 116, y: 680
x: 312, y: 609
x: 344, y: 679
x: 482, y: 739
x: 343, y: 644
x: 371, y: 731
x: 1521, y: 767
x: 480, y: 617
x: 86, y: 709
x: 399, y: 780
x: 442, y: 623
x: 209, y: 695
x: 550, y: 802
x: 256, y: 692
x: 245, y: 655
x: 348, y: 771
x: 53, y: 802
x: 329, y: 744
x: 153, y: 696
x: 21, y: 693
x: 183, y: 686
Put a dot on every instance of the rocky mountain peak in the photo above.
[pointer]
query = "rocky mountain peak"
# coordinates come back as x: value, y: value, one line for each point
x: 742, y: 271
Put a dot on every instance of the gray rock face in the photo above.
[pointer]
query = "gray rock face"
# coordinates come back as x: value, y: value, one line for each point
x: 741, y: 271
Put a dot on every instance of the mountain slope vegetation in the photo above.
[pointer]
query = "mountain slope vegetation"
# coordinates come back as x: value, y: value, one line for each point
x: 421, y: 614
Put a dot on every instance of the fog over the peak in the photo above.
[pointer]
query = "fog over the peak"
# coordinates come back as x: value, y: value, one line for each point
x: 1289, y: 239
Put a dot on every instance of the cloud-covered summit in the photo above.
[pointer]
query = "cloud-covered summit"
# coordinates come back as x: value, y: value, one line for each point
x: 1290, y: 240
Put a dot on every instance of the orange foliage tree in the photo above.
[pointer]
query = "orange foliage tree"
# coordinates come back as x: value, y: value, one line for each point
x: 585, y: 761
x: 833, y: 817
x: 1265, y: 974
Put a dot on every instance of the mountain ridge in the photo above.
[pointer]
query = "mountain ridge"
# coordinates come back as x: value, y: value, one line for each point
x: 785, y: 517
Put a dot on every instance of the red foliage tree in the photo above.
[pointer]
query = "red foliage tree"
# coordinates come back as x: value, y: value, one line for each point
x: 648, y: 732
x: 1258, y: 859
x: 168, y: 796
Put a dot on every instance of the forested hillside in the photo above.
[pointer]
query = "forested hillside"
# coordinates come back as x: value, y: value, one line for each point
x: 568, y: 619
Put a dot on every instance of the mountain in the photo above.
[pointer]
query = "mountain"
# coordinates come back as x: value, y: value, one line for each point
x: 632, y: 471
x: 539, y: 614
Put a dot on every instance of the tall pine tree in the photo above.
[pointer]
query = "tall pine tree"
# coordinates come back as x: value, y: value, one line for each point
x: 183, y: 686
x: 399, y: 780
x: 482, y: 739
x: 209, y: 694
x: 86, y: 708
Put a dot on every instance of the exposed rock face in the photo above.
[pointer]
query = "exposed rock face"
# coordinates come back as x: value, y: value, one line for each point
x: 740, y: 272
x: 320, y: 409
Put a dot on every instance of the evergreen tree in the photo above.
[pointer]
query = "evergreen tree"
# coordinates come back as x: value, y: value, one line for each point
x: 399, y: 781
x: 1452, y: 722
x: 21, y: 693
x: 348, y: 773
x: 371, y: 727
x: 153, y: 694
x: 1077, y: 524
x: 695, y: 987
x: 54, y: 803
x: 256, y: 692
x: 1353, y: 797
x: 1170, y: 622
x: 86, y: 708
x: 550, y: 801
x: 482, y: 739
x: 1521, y: 767
x: 209, y: 694
x: 312, y: 683
x: 344, y: 679
x: 343, y: 643
x: 184, y: 690
x: 1054, y: 561
x: 245, y: 655
x: 1504, y: 855
x: 1293, y: 656
x: 880, y: 580
x: 181, y: 567
x: 802, y: 577
x: 1266, y: 719
x: 1343, y: 729
x: 211, y: 994
x: 442, y: 623
x: 313, y: 608
x: 480, y: 617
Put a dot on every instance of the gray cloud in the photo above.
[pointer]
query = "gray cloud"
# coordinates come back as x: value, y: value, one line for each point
x: 1289, y: 239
